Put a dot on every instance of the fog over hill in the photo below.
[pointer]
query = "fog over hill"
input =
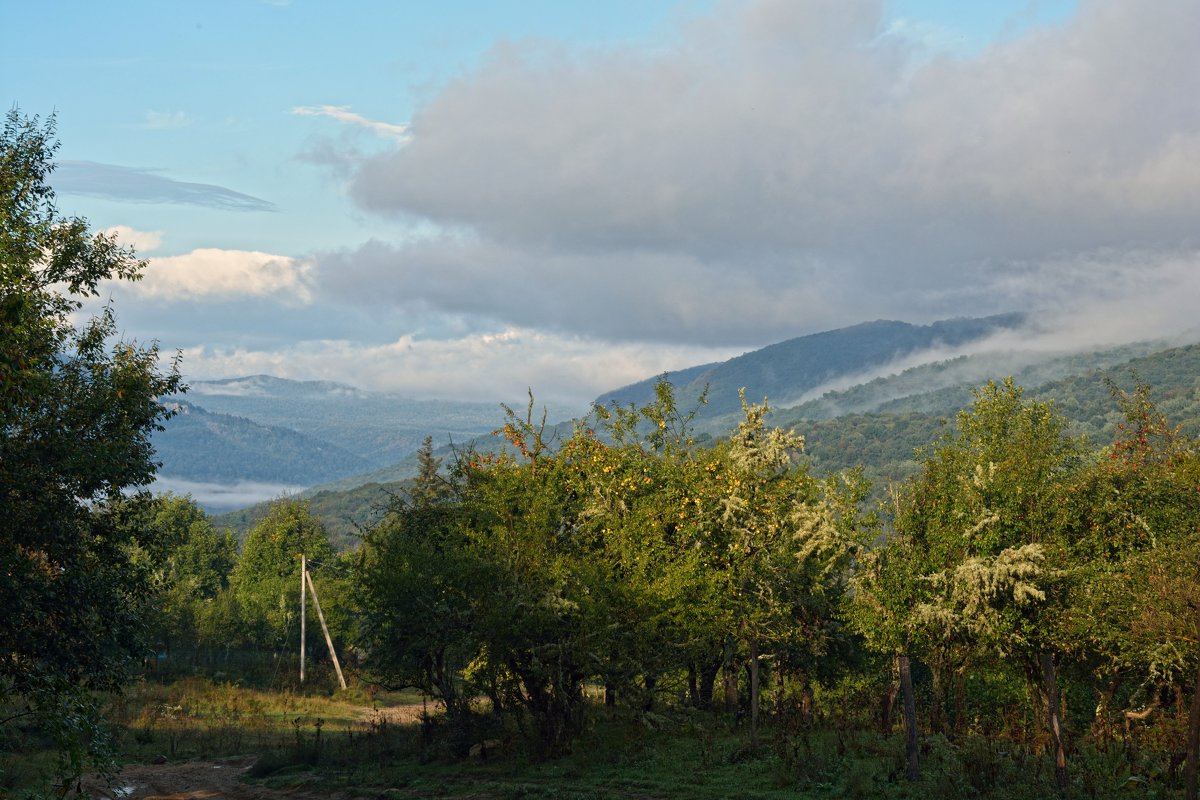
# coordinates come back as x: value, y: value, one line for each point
x: 788, y: 371
x: 877, y: 433
x: 239, y: 440
x: 251, y: 438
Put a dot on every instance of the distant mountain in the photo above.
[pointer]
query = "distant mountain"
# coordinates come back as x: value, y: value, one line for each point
x: 380, y: 428
x: 876, y: 421
x: 943, y: 386
x: 787, y: 371
x: 883, y: 442
x: 202, y: 446
x: 241, y: 440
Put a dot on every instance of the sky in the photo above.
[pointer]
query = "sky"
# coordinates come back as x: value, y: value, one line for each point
x: 464, y: 199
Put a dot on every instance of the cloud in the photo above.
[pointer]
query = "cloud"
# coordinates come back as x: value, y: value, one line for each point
x: 621, y: 295
x: 497, y: 365
x: 210, y: 273
x: 140, y: 185
x: 219, y: 497
x: 781, y: 167
x: 141, y: 241
x: 344, y: 114
x: 928, y: 35
x: 167, y: 119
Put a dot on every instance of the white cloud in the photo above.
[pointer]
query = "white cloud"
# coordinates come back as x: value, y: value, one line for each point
x: 211, y: 273
x: 500, y: 365
x: 218, y: 497
x: 167, y: 119
x: 344, y: 114
x: 617, y: 294
x: 140, y: 241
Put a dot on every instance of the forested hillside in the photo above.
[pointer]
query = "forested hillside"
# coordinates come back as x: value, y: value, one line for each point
x: 785, y: 371
x: 379, y: 427
x: 884, y: 442
x: 942, y: 386
x: 251, y: 437
x: 344, y: 513
x: 200, y: 445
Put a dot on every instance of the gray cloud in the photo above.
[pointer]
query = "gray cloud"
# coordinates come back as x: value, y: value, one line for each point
x: 617, y: 295
x: 140, y: 185
x: 782, y: 167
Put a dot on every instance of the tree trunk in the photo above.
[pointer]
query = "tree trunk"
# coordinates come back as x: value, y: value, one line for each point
x: 708, y: 678
x: 731, y: 678
x: 910, y: 720
x: 1054, y: 720
x: 1193, y: 740
x: 937, y: 706
x: 887, y: 705
x: 780, y: 686
x: 754, y: 694
x: 693, y: 685
x: 1101, y: 724
x: 960, y: 703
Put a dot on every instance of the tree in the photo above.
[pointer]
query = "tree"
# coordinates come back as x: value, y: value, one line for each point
x: 1137, y: 513
x: 195, y: 572
x: 266, y: 579
x: 76, y: 415
x: 988, y: 515
x: 420, y: 589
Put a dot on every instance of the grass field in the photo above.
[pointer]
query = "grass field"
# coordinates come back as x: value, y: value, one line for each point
x: 351, y: 744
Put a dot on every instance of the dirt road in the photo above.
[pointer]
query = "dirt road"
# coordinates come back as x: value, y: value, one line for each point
x: 193, y: 780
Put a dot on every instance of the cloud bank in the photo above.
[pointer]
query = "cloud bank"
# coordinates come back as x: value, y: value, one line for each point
x: 140, y: 185
x: 784, y: 166
x: 501, y: 365
x: 140, y: 241
x: 211, y: 273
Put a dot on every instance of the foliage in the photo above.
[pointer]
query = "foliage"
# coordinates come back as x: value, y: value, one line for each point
x: 76, y: 414
x: 266, y: 580
x: 625, y: 553
x: 192, y: 580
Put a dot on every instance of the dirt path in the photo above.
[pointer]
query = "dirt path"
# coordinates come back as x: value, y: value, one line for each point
x: 194, y: 780
x: 222, y: 778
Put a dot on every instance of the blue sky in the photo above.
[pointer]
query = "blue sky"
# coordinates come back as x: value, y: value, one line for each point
x: 468, y: 198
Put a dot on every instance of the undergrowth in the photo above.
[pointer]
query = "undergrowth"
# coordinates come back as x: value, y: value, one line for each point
x: 400, y: 748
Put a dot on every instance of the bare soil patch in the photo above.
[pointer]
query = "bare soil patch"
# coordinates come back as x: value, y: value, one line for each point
x: 188, y: 781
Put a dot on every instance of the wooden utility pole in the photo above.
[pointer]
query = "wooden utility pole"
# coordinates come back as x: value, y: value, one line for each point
x: 303, y: 573
x: 325, y: 630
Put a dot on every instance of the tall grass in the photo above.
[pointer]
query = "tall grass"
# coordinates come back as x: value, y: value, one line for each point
x: 349, y: 741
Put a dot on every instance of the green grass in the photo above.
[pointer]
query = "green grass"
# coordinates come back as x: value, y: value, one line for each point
x: 352, y: 744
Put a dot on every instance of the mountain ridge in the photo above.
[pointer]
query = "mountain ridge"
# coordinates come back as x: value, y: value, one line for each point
x: 785, y: 371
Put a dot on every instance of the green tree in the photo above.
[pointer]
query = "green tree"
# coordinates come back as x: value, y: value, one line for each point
x: 76, y: 414
x: 784, y: 541
x: 1136, y: 610
x: 266, y: 579
x: 194, y: 574
x: 420, y: 587
x: 989, y: 515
